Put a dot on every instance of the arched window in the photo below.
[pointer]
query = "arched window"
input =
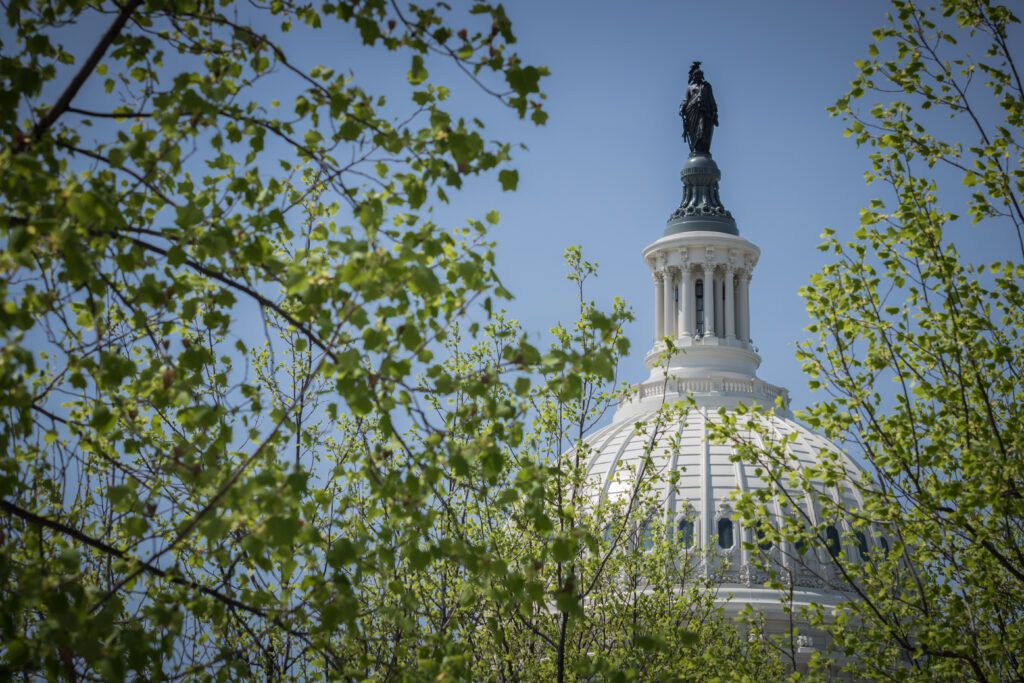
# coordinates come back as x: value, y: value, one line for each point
x: 884, y: 542
x: 646, y: 535
x: 800, y: 546
x: 763, y: 542
x: 832, y: 541
x: 606, y: 534
x: 862, y: 545
x: 698, y: 290
x: 685, y: 536
x: 725, y: 533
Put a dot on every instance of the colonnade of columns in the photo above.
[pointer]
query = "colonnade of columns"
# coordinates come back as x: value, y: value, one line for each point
x: 678, y: 313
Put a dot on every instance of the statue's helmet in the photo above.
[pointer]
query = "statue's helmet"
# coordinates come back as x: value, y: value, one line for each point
x: 695, y: 72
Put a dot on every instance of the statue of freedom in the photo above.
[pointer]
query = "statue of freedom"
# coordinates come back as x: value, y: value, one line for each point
x: 699, y: 112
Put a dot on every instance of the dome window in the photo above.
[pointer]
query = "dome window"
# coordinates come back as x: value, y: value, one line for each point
x: 862, y: 546
x: 884, y: 542
x: 832, y: 541
x: 685, y: 527
x: 763, y: 542
x: 725, y: 531
x: 646, y: 536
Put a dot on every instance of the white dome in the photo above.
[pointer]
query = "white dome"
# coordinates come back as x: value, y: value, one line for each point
x: 697, y: 479
x: 703, y: 350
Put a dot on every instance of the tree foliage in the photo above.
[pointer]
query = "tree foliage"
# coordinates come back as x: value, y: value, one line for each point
x: 919, y: 350
x: 260, y: 414
x: 608, y: 590
x: 222, y: 299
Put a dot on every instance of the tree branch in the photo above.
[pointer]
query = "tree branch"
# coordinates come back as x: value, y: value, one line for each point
x: 62, y: 103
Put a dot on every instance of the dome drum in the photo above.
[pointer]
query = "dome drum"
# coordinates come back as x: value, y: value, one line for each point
x: 702, y: 303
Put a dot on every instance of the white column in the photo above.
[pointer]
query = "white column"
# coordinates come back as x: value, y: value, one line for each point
x: 691, y: 303
x: 744, y: 317
x: 659, y: 307
x: 670, y: 305
x: 730, y: 304
x: 686, y: 302
x: 709, y: 300
x: 719, y: 305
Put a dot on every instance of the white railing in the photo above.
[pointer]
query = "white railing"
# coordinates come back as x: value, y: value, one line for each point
x: 710, y: 385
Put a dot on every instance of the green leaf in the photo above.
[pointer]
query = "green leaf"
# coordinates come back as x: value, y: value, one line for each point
x: 509, y: 179
x: 342, y: 552
x: 350, y: 130
x: 563, y: 550
x: 417, y: 74
x: 103, y: 420
x: 283, y: 530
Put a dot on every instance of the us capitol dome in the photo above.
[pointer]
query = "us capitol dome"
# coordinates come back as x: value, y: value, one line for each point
x: 702, y: 270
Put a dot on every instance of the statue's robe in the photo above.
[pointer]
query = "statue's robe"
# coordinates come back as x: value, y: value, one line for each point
x: 700, y: 115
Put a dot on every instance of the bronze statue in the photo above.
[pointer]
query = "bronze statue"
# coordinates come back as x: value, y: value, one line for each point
x: 699, y: 112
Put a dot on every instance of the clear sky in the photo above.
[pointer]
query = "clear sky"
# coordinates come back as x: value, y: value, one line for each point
x: 604, y: 172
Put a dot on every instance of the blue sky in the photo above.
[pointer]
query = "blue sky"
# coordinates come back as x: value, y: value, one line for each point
x: 604, y: 172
